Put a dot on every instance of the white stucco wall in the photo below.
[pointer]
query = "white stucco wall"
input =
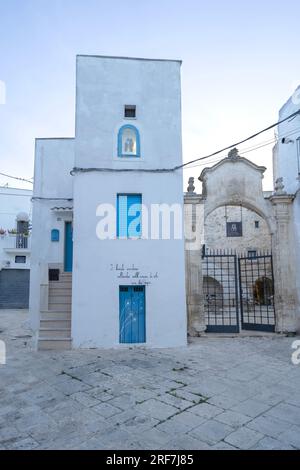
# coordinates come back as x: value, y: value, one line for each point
x: 12, y: 202
x: 285, y: 155
x: 54, y: 159
x: 104, y: 86
x: 296, y: 249
x: 286, y: 166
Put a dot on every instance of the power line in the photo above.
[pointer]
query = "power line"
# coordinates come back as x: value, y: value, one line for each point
x: 36, y: 198
x: 250, y: 149
x: 16, y: 178
x: 240, y: 142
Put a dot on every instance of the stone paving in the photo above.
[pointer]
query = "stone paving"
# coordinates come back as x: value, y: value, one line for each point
x: 218, y: 393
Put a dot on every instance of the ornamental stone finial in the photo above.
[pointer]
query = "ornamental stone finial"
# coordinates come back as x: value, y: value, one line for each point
x: 233, y: 154
x: 279, y: 187
x: 191, y: 187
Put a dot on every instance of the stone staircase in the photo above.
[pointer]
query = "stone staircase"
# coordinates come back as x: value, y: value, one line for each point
x: 55, y: 323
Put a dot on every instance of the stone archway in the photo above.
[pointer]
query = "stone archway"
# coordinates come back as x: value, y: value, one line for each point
x: 237, y: 181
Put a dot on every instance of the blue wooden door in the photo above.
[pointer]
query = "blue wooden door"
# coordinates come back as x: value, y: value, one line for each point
x: 68, y: 247
x: 132, y: 314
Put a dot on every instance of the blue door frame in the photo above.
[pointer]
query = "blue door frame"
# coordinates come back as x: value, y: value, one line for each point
x: 68, y: 262
x: 132, y: 314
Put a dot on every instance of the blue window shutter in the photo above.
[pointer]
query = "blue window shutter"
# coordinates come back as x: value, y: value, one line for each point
x: 129, y: 215
x: 55, y: 235
x: 122, y: 210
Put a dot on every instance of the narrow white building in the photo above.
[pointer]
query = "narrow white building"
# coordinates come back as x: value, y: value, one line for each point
x: 108, y: 247
x: 286, y: 163
x: 15, y: 215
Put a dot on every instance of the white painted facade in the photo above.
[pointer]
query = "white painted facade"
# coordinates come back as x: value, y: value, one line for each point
x: 286, y: 162
x: 14, y: 203
x: 104, y: 85
x: 54, y: 159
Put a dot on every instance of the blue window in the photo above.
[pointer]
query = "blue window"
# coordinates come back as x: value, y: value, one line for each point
x: 55, y: 235
x: 129, y: 142
x: 129, y: 215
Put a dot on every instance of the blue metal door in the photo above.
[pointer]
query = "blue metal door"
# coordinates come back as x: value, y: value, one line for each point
x: 68, y: 247
x: 132, y: 314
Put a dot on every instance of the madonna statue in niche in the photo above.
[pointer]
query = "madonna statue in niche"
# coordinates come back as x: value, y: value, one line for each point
x: 129, y: 142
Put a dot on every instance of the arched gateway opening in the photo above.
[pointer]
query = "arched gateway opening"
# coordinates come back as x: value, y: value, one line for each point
x: 237, y: 270
x: 238, y: 229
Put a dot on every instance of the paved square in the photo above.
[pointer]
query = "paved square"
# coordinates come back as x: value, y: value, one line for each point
x: 218, y: 393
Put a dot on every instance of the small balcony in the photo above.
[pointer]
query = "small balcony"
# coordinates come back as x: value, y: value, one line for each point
x: 17, y: 242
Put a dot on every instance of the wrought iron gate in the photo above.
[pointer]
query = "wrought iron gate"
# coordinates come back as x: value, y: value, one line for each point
x: 220, y: 288
x: 238, y: 291
x: 257, y: 292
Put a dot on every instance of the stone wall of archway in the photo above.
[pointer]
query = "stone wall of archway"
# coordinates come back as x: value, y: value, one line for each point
x: 236, y: 181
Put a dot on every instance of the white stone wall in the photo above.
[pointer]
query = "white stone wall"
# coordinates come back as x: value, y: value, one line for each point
x: 286, y: 161
x: 104, y: 86
x: 215, y: 234
x: 54, y: 159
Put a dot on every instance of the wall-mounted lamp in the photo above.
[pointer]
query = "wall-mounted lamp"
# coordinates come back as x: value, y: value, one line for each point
x: 286, y: 140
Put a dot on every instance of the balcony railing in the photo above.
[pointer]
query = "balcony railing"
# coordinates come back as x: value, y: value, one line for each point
x: 14, y: 241
x: 21, y: 241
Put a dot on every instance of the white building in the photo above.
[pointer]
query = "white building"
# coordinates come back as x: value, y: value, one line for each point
x: 286, y: 162
x: 15, y: 215
x: 128, y: 284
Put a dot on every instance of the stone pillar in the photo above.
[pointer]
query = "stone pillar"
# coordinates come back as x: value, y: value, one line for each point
x: 283, y: 263
x: 195, y: 301
x: 194, y: 221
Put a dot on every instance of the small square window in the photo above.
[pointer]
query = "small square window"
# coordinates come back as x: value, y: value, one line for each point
x: 256, y: 224
x: 252, y: 253
x: 53, y: 274
x: 20, y: 259
x: 129, y: 111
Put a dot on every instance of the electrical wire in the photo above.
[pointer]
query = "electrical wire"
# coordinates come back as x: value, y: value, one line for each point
x: 36, y: 198
x: 16, y: 178
x: 241, y: 141
x: 250, y: 149
x: 182, y: 166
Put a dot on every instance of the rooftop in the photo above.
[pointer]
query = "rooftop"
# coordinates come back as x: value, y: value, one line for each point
x: 128, y: 58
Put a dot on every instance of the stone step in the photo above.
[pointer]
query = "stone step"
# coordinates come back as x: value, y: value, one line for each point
x: 55, y: 323
x: 58, y: 288
x: 65, y: 275
x: 60, y: 299
x: 54, y: 344
x: 60, y: 285
x: 55, y: 315
x: 53, y: 307
x: 46, y: 333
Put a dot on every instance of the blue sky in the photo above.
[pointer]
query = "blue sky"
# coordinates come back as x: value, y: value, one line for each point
x: 240, y: 64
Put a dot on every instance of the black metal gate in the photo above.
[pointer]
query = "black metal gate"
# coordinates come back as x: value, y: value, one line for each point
x: 238, y: 291
x: 220, y: 288
x: 257, y: 292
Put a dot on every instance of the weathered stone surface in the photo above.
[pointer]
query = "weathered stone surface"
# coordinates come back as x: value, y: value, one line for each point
x: 149, y: 399
x: 244, y: 438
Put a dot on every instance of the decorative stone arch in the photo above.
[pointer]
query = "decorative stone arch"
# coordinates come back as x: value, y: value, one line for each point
x: 236, y: 181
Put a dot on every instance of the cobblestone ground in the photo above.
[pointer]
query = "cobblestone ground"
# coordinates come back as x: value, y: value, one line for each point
x: 218, y: 393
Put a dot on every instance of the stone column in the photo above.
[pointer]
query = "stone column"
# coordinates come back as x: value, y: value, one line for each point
x: 194, y: 221
x: 283, y: 247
